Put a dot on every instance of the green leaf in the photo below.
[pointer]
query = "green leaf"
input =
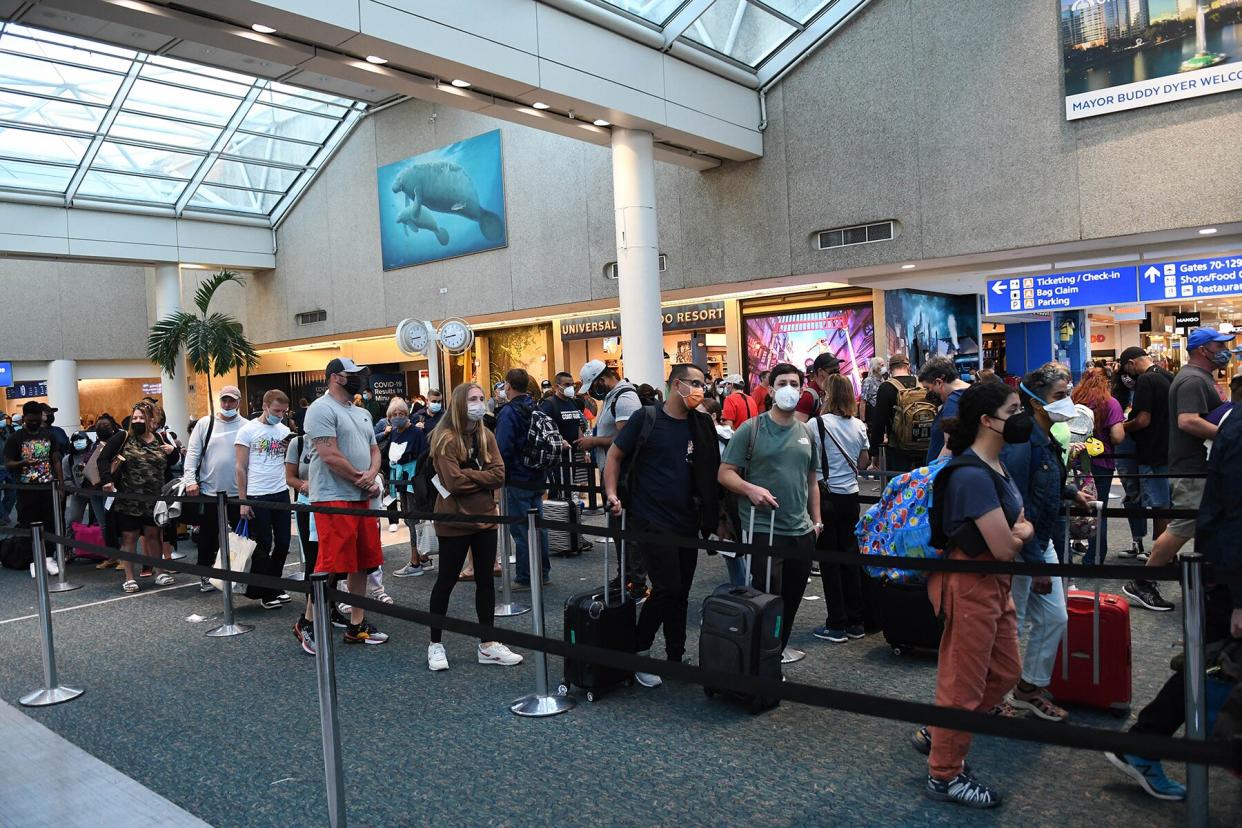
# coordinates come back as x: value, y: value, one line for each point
x: 207, y: 290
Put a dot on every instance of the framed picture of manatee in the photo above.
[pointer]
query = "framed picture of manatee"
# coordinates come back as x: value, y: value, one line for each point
x: 444, y: 203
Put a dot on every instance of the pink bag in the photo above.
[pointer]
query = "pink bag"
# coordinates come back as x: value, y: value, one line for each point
x: 88, y: 534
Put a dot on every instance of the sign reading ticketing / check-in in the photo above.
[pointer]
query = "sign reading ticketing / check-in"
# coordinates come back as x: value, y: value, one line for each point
x: 1063, y: 291
x: 1197, y: 279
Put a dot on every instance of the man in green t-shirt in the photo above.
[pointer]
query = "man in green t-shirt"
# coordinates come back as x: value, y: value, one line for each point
x: 778, y: 486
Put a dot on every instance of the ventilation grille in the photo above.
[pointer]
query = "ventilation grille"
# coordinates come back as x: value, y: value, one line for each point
x: 610, y: 269
x: 858, y: 234
x: 310, y: 317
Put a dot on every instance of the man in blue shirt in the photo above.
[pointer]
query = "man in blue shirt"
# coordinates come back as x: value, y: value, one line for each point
x: 940, y: 377
x: 524, y: 486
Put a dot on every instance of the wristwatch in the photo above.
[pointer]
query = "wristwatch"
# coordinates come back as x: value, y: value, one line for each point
x: 819, y: 526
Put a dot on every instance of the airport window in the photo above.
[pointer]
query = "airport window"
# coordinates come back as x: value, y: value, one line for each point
x: 859, y: 234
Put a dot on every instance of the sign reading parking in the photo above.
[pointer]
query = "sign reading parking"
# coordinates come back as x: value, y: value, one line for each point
x: 1063, y: 291
x: 1197, y: 279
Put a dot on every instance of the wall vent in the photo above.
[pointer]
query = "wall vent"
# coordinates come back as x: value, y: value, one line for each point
x: 610, y: 269
x: 858, y: 234
x: 310, y: 317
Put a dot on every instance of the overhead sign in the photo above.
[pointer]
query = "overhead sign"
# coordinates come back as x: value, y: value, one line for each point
x: 26, y: 390
x: 675, y: 318
x: 6, y: 374
x: 1196, y: 279
x: 1062, y: 291
x: 1186, y: 320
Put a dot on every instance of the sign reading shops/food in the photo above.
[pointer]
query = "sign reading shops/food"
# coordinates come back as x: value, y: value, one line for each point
x: 1125, y: 55
x: 675, y: 318
x: 1196, y: 279
x: 1062, y: 291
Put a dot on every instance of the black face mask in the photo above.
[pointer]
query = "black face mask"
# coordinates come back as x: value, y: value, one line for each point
x: 1018, y: 428
x: 104, y: 432
x: 353, y: 383
x: 599, y: 394
x: 32, y: 425
x: 139, y: 429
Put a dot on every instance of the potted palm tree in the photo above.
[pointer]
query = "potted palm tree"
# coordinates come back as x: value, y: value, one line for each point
x: 213, y: 343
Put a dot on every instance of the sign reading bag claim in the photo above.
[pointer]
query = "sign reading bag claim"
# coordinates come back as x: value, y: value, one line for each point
x: 1126, y: 55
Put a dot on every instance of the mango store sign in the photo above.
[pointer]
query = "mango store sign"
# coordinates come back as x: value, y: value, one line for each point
x: 675, y: 318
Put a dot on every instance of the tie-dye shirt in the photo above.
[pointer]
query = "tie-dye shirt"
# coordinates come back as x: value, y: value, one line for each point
x: 36, y: 446
x: 266, y: 473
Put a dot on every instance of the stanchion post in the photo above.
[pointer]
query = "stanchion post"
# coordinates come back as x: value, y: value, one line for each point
x: 507, y: 608
x: 1195, y: 676
x: 539, y: 703
x: 325, y: 669
x: 52, y: 691
x: 58, y: 525
x: 228, y: 626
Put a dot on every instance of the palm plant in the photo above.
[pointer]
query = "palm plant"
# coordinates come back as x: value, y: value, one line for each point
x: 213, y: 343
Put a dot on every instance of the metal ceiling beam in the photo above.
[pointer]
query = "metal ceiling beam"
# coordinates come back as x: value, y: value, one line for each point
x: 684, y: 18
x: 222, y: 141
x: 118, y: 100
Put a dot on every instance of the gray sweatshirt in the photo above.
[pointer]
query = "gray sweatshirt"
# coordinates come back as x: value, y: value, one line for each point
x: 213, y: 470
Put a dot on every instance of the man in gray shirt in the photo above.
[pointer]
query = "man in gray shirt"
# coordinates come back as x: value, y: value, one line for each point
x: 1192, y: 396
x: 210, y: 468
x: 344, y: 468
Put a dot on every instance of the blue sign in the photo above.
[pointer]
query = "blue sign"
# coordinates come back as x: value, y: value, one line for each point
x: 26, y: 390
x: 1197, y: 279
x: 1063, y: 291
x: 6, y: 374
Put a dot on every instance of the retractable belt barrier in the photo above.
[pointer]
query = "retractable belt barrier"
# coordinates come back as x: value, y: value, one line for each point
x: 1218, y: 753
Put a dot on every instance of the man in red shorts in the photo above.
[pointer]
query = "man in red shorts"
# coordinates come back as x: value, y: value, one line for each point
x: 345, y: 462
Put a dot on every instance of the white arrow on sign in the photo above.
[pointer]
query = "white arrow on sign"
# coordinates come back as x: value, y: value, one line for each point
x: 1152, y: 273
x: 999, y: 288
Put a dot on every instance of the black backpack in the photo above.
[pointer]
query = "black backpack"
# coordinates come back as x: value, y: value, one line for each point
x: 16, y: 553
x: 422, y: 492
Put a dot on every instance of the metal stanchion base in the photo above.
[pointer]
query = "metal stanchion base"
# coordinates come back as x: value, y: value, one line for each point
x: 43, y: 698
x: 225, y: 630
x: 789, y: 655
x: 65, y: 587
x: 511, y: 609
x: 537, y: 706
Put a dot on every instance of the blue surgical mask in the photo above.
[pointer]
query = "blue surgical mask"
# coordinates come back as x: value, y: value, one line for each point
x: 399, y: 422
x: 80, y: 445
x: 228, y: 413
x: 272, y: 419
x: 1221, y: 358
x: 434, y: 407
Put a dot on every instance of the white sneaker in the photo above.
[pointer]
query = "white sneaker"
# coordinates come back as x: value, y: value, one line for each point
x: 648, y: 679
x: 497, y: 653
x: 52, y: 568
x: 392, y: 528
x: 436, y: 659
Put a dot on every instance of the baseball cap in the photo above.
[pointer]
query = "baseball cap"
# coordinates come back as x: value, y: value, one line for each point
x: 344, y: 365
x: 1132, y: 353
x: 47, y: 408
x: 500, y: 386
x: 898, y: 359
x: 230, y: 391
x: 589, y: 374
x: 1202, y: 336
x: 32, y: 407
x: 545, y: 385
x: 826, y: 362
x: 734, y: 379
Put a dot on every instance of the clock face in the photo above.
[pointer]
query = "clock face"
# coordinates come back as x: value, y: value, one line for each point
x: 456, y: 336
x: 416, y: 336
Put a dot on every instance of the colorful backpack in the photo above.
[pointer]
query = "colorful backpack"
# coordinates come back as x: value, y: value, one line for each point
x: 900, y: 524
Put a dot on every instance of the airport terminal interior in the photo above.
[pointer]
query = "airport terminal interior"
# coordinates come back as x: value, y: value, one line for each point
x: 267, y: 262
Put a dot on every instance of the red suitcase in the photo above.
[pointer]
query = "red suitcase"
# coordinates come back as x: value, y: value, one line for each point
x: 1093, y: 665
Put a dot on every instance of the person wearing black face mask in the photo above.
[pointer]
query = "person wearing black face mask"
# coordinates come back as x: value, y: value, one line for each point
x: 31, y: 456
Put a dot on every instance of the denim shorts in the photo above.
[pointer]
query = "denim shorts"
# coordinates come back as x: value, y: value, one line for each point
x: 1155, y: 491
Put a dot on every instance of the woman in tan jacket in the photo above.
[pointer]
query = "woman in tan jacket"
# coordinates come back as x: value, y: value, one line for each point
x: 469, y: 467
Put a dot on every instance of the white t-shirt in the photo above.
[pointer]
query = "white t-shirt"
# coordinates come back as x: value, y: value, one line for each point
x: 851, y: 433
x: 266, y: 473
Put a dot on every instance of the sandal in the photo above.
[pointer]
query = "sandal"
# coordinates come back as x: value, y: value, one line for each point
x: 130, y: 586
x: 107, y: 563
x: 381, y: 596
x: 164, y: 579
x: 466, y: 576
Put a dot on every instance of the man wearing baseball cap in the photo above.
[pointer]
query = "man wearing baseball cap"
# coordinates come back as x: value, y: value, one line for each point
x: 344, y: 467
x: 825, y: 365
x: 210, y: 467
x: 1148, y: 425
x: 737, y: 406
x: 1192, y: 396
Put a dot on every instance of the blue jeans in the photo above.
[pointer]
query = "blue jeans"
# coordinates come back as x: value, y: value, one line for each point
x: 737, y: 570
x: 1048, y: 619
x: 519, y: 502
x: 1103, y: 478
x: 1134, y: 492
x: 1155, y: 491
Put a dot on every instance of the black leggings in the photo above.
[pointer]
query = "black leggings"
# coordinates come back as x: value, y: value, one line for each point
x: 843, y: 588
x: 482, y: 546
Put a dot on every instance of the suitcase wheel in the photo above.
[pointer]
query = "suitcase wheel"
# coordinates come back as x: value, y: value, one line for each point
x: 1120, y: 712
x: 897, y: 649
x: 590, y: 695
x: 563, y: 690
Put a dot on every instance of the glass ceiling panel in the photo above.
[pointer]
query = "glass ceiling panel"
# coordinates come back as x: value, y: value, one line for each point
x: 740, y: 30
x: 178, y: 134
x: 653, y: 11
x: 800, y: 10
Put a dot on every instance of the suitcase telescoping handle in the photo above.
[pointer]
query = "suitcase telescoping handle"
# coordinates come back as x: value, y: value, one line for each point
x: 620, y: 541
x: 750, y: 539
x: 1098, y: 507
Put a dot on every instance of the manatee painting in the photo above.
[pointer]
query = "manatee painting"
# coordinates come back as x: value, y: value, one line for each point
x: 446, y: 188
x: 443, y: 203
x: 422, y: 219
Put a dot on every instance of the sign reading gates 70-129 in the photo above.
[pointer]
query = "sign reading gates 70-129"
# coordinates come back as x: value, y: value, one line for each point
x: 1196, y: 279
x: 1062, y: 291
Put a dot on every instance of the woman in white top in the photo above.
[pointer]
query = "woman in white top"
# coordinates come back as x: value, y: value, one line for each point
x: 842, y: 440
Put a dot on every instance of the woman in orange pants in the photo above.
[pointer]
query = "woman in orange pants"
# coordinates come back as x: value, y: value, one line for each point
x: 981, y: 513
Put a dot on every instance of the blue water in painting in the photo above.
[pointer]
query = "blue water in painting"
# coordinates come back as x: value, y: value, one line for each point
x: 480, y: 157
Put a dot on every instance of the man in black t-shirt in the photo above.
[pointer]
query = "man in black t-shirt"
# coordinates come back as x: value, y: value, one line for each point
x: 565, y: 409
x: 31, y: 457
x: 1149, y: 426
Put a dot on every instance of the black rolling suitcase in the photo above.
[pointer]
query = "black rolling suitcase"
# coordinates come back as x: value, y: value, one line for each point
x: 601, y: 617
x: 909, y: 621
x: 741, y: 634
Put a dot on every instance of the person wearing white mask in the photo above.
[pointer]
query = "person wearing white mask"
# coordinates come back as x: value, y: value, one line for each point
x: 210, y: 467
x: 771, y: 463
x: 260, y: 447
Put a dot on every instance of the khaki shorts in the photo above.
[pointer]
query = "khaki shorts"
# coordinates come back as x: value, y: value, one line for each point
x: 1187, y: 494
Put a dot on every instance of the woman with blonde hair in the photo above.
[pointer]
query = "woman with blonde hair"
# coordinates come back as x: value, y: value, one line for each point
x: 469, y: 467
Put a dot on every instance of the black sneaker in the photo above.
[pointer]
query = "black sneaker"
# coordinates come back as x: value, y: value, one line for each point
x: 962, y: 789
x: 284, y: 597
x: 364, y: 633
x: 1146, y: 595
x: 338, y: 618
x: 271, y: 603
x: 921, y: 741
x: 305, y: 632
x: 815, y: 570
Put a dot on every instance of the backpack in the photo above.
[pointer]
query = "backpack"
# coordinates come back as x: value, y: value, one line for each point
x: 907, y: 521
x: 913, y: 416
x: 612, y: 406
x: 16, y: 553
x: 625, y: 486
x: 543, y: 441
x: 422, y: 492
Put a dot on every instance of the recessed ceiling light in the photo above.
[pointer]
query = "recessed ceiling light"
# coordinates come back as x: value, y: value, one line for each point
x: 261, y: 29
x: 1207, y: 231
x: 540, y: 105
x: 602, y: 122
x: 376, y: 59
x: 461, y: 84
x: 907, y: 267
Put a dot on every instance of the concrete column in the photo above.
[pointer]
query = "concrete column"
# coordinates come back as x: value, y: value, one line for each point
x: 638, y: 255
x: 62, y: 393
x: 176, y: 397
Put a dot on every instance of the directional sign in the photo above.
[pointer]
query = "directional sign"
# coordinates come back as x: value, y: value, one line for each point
x: 6, y: 374
x: 1197, y: 279
x: 1063, y: 291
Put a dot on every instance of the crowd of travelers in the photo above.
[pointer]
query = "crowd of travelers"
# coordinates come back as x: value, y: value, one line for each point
x: 777, y: 465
